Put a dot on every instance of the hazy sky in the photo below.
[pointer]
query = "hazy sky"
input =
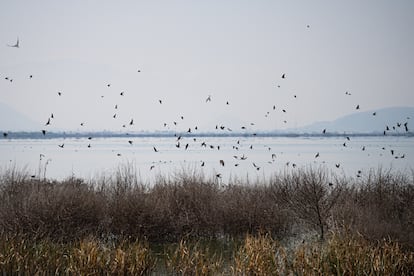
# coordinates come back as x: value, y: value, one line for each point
x: 235, y: 51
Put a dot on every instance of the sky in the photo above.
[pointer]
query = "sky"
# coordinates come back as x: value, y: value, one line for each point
x: 180, y: 52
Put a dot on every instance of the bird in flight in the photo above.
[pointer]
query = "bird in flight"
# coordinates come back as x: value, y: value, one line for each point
x: 15, y: 45
x: 208, y: 98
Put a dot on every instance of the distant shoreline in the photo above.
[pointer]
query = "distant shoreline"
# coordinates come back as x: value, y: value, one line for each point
x: 105, y: 134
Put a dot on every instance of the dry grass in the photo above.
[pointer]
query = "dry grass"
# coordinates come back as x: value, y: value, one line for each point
x: 193, y: 259
x: 260, y: 255
x: 20, y: 255
x: 342, y: 253
x: 348, y: 254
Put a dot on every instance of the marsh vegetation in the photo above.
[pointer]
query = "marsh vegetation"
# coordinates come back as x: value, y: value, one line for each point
x: 303, y: 221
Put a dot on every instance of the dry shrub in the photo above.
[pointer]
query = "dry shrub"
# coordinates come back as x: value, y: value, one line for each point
x: 59, y: 210
x: 309, y: 195
x: 252, y: 209
x: 190, y: 205
x: 380, y: 206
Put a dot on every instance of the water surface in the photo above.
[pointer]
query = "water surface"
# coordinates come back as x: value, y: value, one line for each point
x: 263, y: 156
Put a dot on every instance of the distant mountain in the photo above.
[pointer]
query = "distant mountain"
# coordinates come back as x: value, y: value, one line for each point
x: 366, y: 122
x: 12, y: 120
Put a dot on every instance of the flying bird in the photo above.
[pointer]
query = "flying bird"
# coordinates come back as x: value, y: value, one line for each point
x: 222, y: 163
x: 155, y: 149
x: 357, y: 107
x: 15, y: 45
x: 283, y: 76
x: 208, y: 98
x: 317, y: 155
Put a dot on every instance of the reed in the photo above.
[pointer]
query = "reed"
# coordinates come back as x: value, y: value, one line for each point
x: 191, y: 258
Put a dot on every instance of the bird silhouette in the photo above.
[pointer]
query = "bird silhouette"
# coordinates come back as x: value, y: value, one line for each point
x: 130, y: 142
x: 208, y: 98
x: 317, y: 155
x: 5, y: 134
x: 324, y: 131
x: 43, y: 132
x: 222, y: 163
x: 61, y: 146
x: 155, y: 149
x: 283, y: 76
x: 131, y: 122
x: 16, y: 45
x: 59, y: 93
x: 357, y: 107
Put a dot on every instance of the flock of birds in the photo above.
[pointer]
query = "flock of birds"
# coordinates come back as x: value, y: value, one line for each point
x: 186, y: 139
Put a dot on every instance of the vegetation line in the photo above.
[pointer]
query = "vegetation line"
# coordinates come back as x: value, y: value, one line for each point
x: 188, y: 223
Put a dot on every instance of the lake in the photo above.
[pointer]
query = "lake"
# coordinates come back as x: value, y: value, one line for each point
x: 253, y: 157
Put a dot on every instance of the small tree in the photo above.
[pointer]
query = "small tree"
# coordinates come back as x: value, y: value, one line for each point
x: 310, y: 196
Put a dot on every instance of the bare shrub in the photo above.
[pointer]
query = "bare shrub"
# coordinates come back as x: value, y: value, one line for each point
x: 309, y: 195
x: 380, y: 206
x: 59, y: 210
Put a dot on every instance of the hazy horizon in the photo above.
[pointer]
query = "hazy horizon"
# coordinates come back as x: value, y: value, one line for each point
x: 235, y: 51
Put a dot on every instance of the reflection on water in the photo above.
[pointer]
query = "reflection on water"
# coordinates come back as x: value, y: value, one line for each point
x: 242, y: 157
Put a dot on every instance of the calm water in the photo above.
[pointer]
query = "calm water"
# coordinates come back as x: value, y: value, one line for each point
x: 269, y: 155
